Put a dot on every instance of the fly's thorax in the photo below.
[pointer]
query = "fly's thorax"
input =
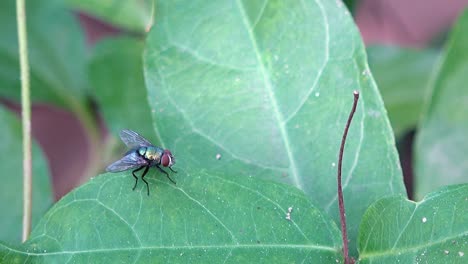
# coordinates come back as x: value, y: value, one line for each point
x: 142, y: 151
x: 153, y: 153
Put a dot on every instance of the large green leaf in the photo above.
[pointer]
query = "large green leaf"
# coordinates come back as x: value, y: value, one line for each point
x: 116, y: 72
x: 206, y: 218
x: 442, y: 146
x: 56, y: 54
x: 264, y: 88
x: 11, y: 168
x: 134, y: 15
x: 403, y: 77
x: 435, y: 230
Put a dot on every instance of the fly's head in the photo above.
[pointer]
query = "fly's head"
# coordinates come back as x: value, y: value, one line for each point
x: 167, y: 160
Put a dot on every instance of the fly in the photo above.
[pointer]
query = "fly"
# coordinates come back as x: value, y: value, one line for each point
x: 142, y: 155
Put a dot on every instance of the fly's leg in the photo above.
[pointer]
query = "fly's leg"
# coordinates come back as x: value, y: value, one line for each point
x: 172, y: 170
x: 143, y: 178
x: 136, y: 178
x: 167, y: 175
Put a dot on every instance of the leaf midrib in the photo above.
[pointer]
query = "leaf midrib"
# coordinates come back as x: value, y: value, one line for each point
x: 197, y: 247
x: 269, y: 88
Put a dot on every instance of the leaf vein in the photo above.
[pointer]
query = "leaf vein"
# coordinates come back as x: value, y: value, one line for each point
x: 269, y: 88
x: 234, y: 239
x: 322, y: 67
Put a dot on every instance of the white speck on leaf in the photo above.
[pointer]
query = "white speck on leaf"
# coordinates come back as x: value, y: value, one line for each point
x: 218, y: 156
x: 424, y: 219
x: 446, y: 252
x: 317, y: 94
x: 333, y: 164
x: 288, y: 214
x: 461, y: 254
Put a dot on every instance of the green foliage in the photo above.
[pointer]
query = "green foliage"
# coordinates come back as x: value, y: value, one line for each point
x: 270, y: 107
x: 245, y: 94
x: 351, y: 5
x: 402, y: 76
x: 442, y: 145
x: 395, y: 230
x: 116, y: 73
x: 135, y: 15
x: 52, y: 33
x: 206, y: 218
x: 57, y: 58
x: 11, y: 181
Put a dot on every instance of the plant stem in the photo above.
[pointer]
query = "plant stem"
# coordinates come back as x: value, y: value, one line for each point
x: 25, y: 117
x: 347, y: 259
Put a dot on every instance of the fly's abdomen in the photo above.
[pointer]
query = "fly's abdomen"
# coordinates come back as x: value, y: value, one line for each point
x: 153, y: 153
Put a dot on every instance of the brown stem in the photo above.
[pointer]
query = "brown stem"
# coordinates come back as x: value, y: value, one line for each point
x: 347, y: 259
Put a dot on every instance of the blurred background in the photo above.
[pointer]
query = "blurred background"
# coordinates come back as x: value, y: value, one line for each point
x: 403, y: 37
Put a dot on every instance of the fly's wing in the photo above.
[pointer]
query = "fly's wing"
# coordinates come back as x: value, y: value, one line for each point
x: 129, y: 161
x: 133, y: 140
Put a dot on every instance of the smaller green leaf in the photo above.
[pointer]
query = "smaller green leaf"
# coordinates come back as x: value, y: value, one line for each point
x: 402, y: 76
x: 132, y: 15
x: 205, y: 218
x: 11, y: 167
x: 116, y: 73
x: 435, y: 230
x: 441, y: 151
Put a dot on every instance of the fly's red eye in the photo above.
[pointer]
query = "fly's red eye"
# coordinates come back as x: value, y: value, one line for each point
x: 165, y: 160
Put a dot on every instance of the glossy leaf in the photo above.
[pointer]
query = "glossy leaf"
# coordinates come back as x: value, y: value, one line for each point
x: 395, y: 230
x: 56, y: 49
x: 265, y: 89
x: 442, y: 146
x: 403, y: 77
x: 11, y: 178
x: 134, y: 15
x: 205, y: 218
x: 116, y: 73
